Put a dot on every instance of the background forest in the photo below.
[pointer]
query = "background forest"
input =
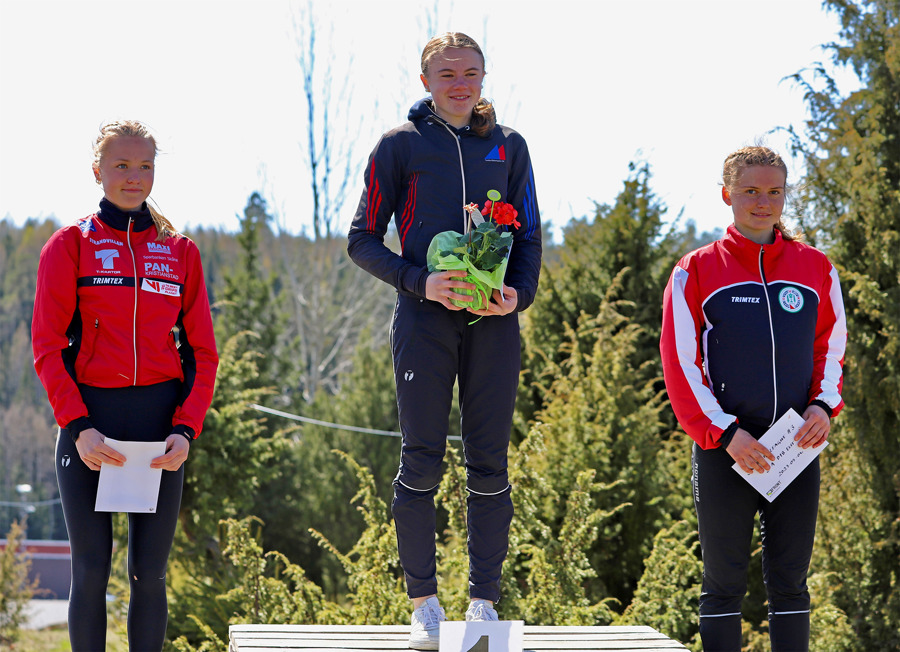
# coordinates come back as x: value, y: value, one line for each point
x: 286, y: 521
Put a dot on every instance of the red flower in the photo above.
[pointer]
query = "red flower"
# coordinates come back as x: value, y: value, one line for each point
x: 501, y: 213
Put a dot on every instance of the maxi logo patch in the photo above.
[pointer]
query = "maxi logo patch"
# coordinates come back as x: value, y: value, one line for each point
x: 791, y: 299
x: 158, y: 248
x: 161, y: 287
x: 497, y: 155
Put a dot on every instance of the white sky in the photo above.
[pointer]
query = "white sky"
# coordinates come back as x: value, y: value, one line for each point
x: 590, y: 85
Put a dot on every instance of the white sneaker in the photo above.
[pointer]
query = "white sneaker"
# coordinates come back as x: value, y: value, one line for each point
x: 424, y: 631
x: 481, y: 611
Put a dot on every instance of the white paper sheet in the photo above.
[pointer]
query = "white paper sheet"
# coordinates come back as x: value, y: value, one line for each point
x: 133, y: 487
x: 496, y: 636
x: 790, y: 459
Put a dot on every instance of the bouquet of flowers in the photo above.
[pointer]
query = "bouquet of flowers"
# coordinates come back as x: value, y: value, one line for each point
x: 483, y: 252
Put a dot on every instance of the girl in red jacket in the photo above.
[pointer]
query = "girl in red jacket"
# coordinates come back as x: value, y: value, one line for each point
x: 753, y: 325
x: 123, y: 343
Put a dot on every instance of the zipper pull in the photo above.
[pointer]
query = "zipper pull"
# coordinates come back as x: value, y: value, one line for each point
x: 96, y: 323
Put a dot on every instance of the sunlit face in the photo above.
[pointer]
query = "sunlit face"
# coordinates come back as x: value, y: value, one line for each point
x: 454, y: 80
x: 757, y: 201
x: 126, y: 171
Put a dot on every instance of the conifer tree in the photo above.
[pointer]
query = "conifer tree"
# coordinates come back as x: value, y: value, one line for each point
x: 669, y: 590
x: 602, y: 413
x: 851, y: 196
x: 15, y: 587
x: 249, y: 300
x: 622, y: 241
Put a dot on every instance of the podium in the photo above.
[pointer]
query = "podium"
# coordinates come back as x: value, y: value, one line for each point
x: 378, y: 638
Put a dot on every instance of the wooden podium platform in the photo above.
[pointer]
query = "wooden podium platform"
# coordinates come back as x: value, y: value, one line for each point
x: 377, y: 638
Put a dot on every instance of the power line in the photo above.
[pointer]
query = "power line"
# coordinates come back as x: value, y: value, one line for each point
x: 336, y: 426
x: 36, y: 503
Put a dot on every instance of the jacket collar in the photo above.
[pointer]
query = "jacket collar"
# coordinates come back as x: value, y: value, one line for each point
x: 747, y: 251
x: 116, y: 218
x: 424, y: 110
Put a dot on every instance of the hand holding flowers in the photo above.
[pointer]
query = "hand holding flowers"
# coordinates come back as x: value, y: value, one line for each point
x: 482, y: 253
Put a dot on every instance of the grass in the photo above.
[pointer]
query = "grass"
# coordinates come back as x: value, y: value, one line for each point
x: 56, y: 639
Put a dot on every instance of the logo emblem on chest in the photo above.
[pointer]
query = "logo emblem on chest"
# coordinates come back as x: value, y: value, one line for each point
x: 790, y: 299
x: 159, y: 287
x: 497, y: 155
x: 107, y: 257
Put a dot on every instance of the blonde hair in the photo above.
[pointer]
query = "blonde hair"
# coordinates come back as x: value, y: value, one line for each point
x: 135, y: 129
x: 745, y: 157
x: 484, y: 118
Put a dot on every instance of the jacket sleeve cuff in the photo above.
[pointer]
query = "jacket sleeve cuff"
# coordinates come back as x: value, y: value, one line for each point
x: 79, y: 425
x: 185, y: 431
x: 418, y: 278
x: 822, y: 405
x: 728, y: 435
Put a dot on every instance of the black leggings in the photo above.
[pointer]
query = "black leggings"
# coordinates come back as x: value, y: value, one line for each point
x: 129, y: 414
x: 726, y: 505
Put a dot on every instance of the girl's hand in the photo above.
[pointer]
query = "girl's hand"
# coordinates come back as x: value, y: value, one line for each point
x: 748, y: 453
x: 177, y: 449
x: 94, y: 451
x: 814, y: 432
x: 440, y: 286
x: 500, y: 304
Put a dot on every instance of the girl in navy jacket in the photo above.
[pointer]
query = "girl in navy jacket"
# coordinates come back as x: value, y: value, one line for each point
x: 450, y: 153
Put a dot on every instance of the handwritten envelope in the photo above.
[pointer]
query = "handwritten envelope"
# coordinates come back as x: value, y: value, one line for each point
x: 790, y: 459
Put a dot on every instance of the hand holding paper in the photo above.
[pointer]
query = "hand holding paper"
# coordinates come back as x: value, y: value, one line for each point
x: 177, y: 449
x: 789, y: 458
x: 815, y: 428
x: 750, y: 454
x: 94, y: 451
x: 134, y: 486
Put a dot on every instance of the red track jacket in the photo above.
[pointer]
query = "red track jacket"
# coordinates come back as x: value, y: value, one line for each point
x: 108, y: 303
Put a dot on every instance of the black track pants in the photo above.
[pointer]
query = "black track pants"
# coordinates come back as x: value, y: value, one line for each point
x: 129, y: 414
x: 726, y: 505
x: 433, y: 347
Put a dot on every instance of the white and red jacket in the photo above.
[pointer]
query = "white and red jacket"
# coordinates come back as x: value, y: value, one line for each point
x: 749, y: 331
x: 115, y: 308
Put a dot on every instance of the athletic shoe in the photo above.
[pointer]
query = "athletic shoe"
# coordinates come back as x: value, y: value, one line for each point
x: 480, y: 611
x: 424, y: 630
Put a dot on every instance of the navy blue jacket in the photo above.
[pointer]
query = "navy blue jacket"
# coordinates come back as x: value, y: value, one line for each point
x: 423, y: 173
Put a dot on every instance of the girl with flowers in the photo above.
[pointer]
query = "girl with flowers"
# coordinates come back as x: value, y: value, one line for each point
x: 424, y: 173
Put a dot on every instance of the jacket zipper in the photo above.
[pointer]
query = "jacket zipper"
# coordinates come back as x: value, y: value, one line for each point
x: 94, y: 346
x: 462, y: 173
x: 765, y: 287
x: 134, y: 315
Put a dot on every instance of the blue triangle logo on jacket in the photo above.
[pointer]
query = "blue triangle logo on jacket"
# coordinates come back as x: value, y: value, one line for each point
x: 497, y: 154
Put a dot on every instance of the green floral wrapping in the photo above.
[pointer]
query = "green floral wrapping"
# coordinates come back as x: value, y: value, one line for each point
x: 483, y: 254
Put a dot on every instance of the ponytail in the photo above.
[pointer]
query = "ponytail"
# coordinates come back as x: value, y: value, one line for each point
x: 164, y: 228
x: 484, y: 118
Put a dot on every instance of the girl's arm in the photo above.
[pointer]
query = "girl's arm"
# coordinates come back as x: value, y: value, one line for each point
x: 382, y: 186
x: 693, y: 402
x: 829, y: 347
x: 55, y: 304
x: 200, y: 359
x: 525, y: 258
